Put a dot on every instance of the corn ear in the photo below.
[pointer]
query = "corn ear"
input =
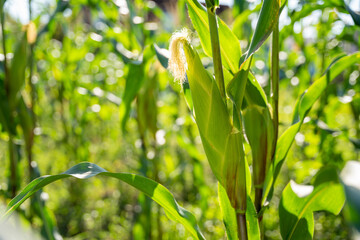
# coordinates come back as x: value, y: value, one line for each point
x: 223, y: 144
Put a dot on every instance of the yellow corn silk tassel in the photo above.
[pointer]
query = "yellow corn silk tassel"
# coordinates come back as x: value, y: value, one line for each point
x: 223, y: 144
x: 259, y: 130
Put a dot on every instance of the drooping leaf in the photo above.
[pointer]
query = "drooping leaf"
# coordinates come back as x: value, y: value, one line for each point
x: 303, y: 106
x: 350, y: 179
x: 308, y: 8
x: 269, y: 15
x: 154, y: 190
x: 222, y: 142
x: 163, y: 55
x: 229, y: 44
x: 298, y: 202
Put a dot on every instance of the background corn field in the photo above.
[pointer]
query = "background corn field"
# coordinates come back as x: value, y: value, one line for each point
x: 87, y: 81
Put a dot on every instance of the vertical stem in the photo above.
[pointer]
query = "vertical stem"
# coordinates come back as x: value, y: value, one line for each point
x: 241, y: 222
x: 275, y: 80
x: 215, y: 46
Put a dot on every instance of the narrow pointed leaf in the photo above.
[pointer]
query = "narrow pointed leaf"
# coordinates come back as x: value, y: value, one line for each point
x: 162, y: 55
x: 154, y: 190
x: 237, y: 86
x: 252, y: 221
x: 303, y: 106
x: 269, y: 15
x: 228, y: 214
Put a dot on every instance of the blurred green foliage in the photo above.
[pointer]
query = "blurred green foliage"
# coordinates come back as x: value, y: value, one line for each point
x: 92, y: 88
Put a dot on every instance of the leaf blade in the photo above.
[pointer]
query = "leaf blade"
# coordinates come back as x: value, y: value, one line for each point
x: 298, y: 202
x: 268, y: 17
x: 86, y: 170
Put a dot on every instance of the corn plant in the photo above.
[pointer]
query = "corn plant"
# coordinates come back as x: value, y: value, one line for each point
x: 226, y: 105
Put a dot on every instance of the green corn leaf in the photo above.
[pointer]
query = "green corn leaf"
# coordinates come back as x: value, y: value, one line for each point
x: 298, y: 202
x: 17, y: 69
x: 236, y: 87
x: 307, y: 9
x: 229, y: 44
x: 269, y: 15
x: 222, y: 142
x: 162, y: 55
x: 303, y: 106
x: 154, y: 190
x: 350, y: 181
x: 134, y: 82
x: 252, y: 222
x: 228, y: 214
x: 254, y: 94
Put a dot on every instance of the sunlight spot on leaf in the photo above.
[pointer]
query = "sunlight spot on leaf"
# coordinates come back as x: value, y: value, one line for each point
x: 301, y: 190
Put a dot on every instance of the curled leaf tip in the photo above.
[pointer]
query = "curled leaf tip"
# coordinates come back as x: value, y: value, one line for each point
x: 177, y: 61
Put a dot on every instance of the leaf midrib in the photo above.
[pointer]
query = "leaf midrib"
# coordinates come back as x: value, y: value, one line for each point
x: 304, y: 209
